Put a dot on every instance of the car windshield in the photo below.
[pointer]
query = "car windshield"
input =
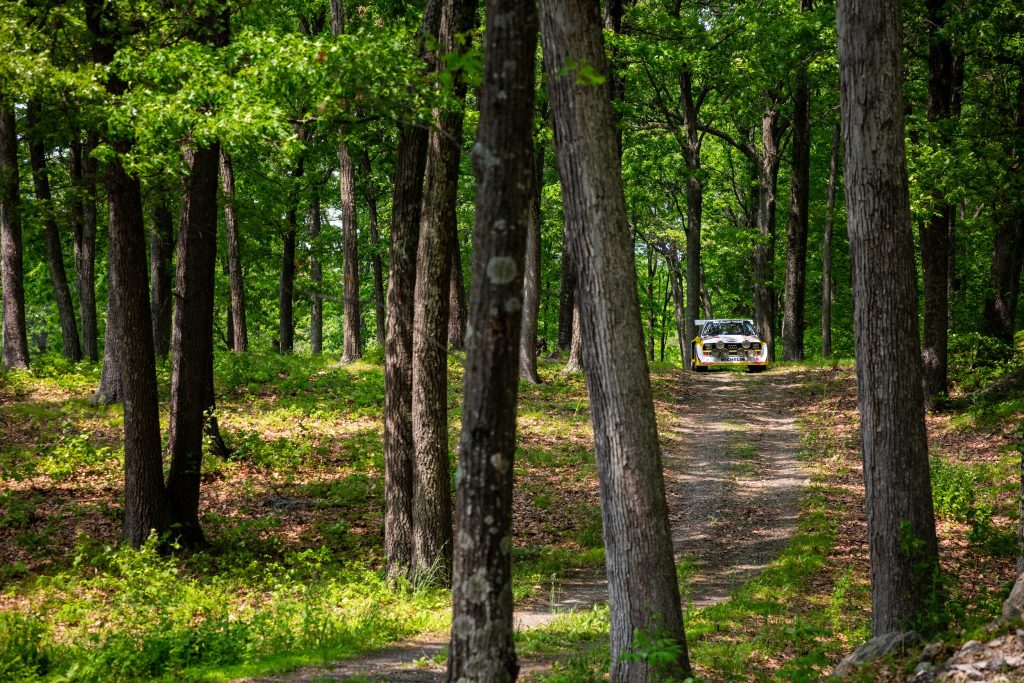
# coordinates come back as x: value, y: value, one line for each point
x: 735, y: 327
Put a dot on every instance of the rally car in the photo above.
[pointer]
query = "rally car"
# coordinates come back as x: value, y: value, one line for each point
x: 722, y: 342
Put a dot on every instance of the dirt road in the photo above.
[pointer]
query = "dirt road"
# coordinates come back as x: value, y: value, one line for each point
x: 733, y: 493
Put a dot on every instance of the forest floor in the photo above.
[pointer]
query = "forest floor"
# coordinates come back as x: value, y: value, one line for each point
x: 733, y: 481
x: 762, y: 476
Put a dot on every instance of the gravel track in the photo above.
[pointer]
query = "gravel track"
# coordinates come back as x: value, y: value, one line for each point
x: 734, y: 497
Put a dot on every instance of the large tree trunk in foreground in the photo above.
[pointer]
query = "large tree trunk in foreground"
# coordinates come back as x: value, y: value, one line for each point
x: 83, y: 221
x: 240, y: 332
x: 51, y: 237
x: 531, y: 274
x: 11, y: 249
x: 826, y: 248
x: 935, y: 244
x: 901, y: 522
x: 405, y: 223
x: 482, y: 648
x: 192, y: 341
x: 431, y: 508
x: 146, y: 503
x: 796, y: 228
x: 643, y: 593
x: 161, y: 257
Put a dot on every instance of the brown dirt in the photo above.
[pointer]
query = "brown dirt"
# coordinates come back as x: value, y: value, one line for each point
x: 733, y: 481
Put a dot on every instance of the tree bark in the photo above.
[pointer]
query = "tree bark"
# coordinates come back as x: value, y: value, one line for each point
x: 83, y: 220
x: 286, y: 294
x: 566, y: 298
x: 161, y: 256
x: 694, y: 211
x: 999, y: 316
x: 652, y: 271
x: 109, y: 391
x: 675, y: 276
x: 51, y: 237
x: 764, y: 248
x: 531, y: 270
x: 405, y: 222
x: 192, y: 340
x: 482, y: 647
x: 826, y: 248
x: 642, y: 588
x: 316, y: 274
x: 935, y: 245
x: 352, y: 349
x: 378, y: 270
x: 901, y: 522
x: 793, y: 322
x: 457, y: 313
x: 431, y: 509
x: 233, y: 239
x: 574, y: 363
x: 11, y: 248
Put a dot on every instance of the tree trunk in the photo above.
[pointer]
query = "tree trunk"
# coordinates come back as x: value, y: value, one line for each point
x: 764, y: 248
x: 378, y: 270
x: 161, y: 255
x: 531, y: 272
x: 566, y: 298
x: 457, y: 313
x: 935, y: 246
x: 643, y: 593
x: 826, y: 248
x: 405, y: 222
x: 51, y: 237
x: 238, y: 320
x: 675, y: 276
x: 652, y: 271
x: 431, y: 509
x: 901, y: 522
x: 796, y: 228
x: 574, y: 363
x: 999, y: 316
x: 83, y: 220
x: 482, y: 648
x: 316, y: 274
x: 286, y: 296
x: 352, y: 349
x: 192, y: 340
x: 11, y: 250
x: 694, y: 211
x: 109, y: 390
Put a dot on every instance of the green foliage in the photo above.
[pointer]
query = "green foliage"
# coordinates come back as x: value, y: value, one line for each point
x: 975, y: 360
x: 24, y: 654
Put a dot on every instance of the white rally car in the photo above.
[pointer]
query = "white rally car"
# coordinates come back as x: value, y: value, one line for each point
x: 727, y: 342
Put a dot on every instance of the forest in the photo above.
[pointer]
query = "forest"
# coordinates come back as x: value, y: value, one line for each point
x: 356, y: 341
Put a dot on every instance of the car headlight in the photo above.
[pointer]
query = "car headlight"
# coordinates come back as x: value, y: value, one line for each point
x: 746, y: 344
x: 720, y: 345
